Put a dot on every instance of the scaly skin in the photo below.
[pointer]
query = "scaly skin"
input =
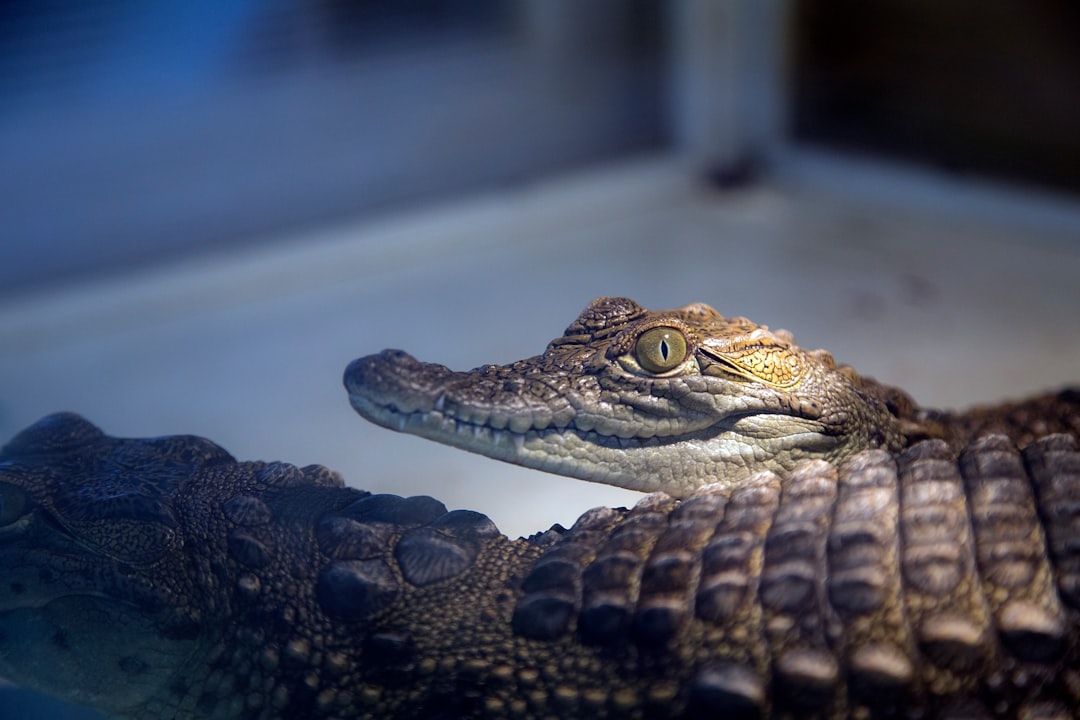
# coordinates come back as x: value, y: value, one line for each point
x: 904, y: 577
x: 161, y: 578
x: 719, y: 398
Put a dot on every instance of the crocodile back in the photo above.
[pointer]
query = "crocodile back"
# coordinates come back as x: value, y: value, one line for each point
x: 933, y: 584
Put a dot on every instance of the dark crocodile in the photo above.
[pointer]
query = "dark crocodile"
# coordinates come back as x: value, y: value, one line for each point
x: 160, y: 578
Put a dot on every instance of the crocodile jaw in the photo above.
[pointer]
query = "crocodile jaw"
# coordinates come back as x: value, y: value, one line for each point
x: 394, y: 390
x: 677, y: 468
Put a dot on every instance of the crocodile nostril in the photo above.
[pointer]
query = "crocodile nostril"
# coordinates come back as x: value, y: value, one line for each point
x: 399, y: 358
x: 371, y: 370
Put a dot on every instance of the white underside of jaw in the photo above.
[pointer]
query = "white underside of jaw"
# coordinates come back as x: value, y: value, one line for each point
x: 676, y: 466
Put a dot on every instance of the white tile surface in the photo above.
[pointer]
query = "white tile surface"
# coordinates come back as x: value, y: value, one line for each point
x: 248, y: 348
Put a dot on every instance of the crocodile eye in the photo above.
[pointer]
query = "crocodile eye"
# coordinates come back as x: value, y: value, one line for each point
x: 660, y: 349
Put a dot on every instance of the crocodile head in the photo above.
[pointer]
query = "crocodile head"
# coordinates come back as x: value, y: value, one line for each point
x: 92, y: 563
x: 664, y: 400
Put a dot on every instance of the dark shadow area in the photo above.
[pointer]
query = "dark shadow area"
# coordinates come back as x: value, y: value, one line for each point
x: 17, y: 703
x: 970, y: 87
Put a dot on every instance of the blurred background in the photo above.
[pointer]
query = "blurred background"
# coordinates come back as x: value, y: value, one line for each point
x: 208, y: 208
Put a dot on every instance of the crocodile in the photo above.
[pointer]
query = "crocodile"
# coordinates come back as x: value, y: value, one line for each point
x: 162, y: 578
x: 672, y: 400
x: 893, y: 562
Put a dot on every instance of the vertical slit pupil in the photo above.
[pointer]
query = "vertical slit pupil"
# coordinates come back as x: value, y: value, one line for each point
x: 664, y: 349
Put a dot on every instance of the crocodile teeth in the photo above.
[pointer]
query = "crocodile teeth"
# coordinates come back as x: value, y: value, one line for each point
x: 520, y: 424
x: 440, y: 402
x: 402, y: 421
x: 519, y: 442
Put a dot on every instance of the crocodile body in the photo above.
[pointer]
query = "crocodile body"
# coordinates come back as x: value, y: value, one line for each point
x: 857, y: 556
x: 161, y: 578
